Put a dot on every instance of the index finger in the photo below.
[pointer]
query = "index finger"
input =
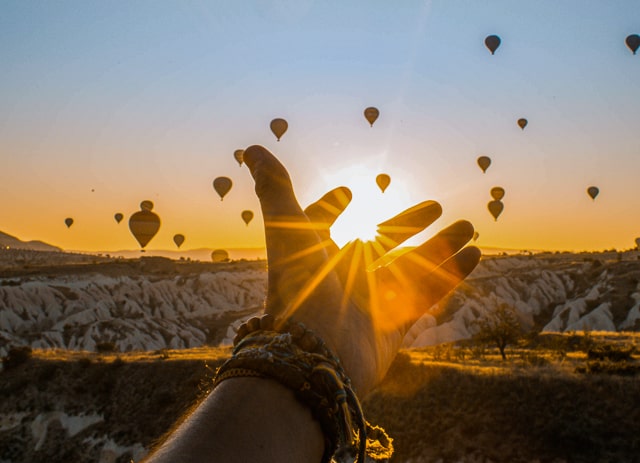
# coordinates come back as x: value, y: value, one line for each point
x: 292, y: 242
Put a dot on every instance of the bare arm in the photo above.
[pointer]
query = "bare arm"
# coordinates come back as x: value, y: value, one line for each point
x: 246, y: 420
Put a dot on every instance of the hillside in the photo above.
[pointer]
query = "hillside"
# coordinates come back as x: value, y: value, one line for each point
x: 153, y: 303
x: 550, y: 292
x: 144, y: 304
x: 163, y: 319
x: 11, y: 242
x: 452, y: 405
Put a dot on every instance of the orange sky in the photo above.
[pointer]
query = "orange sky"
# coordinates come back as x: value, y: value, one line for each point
x: 149, y: 102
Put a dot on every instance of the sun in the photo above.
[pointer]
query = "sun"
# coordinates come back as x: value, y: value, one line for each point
x: 369, y: 206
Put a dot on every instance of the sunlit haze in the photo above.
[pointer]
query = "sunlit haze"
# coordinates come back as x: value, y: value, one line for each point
x: 107, y: 104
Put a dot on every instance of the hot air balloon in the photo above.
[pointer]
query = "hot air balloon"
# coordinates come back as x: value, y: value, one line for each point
x: 476, y: 235
x: 522, y: 123
x: 484, y: 162
x: 492, y: 42
x: 495, y: 207
x: 238, y: 154
x: 178, y: 239
x: 633, y: 42
x: 593, y: 191
x: 222, y: 185
x: 279, y: 127
x: 146, y: 205
x: 371, y: 114
x: 220, y: 255
x: 144, y: 225
x: 383, y: 181
x: 118, y: 216
x: 497, y: 193
x: 247, y: 216
x: 68, y: 222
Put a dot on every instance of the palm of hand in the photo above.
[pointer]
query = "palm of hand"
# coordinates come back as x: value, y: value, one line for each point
x: 359, y: 299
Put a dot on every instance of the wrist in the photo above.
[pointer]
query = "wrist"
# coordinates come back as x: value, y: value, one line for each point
x: 298, y: 359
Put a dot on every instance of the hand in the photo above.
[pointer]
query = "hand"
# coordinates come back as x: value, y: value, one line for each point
x: 359, y: 299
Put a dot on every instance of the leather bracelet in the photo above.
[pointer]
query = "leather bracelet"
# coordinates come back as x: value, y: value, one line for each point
x: 295, y: 356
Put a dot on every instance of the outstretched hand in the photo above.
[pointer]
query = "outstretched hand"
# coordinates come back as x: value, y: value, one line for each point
x: 359, y: 299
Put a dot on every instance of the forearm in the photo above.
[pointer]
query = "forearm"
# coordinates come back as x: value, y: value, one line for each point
x: 246, y: 419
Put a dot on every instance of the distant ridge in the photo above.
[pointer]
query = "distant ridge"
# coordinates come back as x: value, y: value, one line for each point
x: 8, y: 241
x: 200, y: 254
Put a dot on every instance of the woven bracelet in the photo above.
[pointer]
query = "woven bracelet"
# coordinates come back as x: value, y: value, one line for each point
x: 298, y: 359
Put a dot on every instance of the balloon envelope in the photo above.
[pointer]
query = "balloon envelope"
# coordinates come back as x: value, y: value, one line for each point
x: 279, y: 127
x: 219, y: 255
x: 144, y: 225
x: 484, y: 162
x: 492, y: 42
x: 593, y: 191
x: 238, y: 154
x: 371, y: 114
x: 383, y: 181
x: 497, y: 193
x: 247, y: 216
x: 633, y: 42
x: 146, y: 205
x: 118, y: 216
x: 68, y: 222
x: 495, y: 207
x: 178, y: 239
x: 522, y: 123
x: 222, y: 185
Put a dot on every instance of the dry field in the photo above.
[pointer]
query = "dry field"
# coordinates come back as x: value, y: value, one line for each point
x: 448, y: 403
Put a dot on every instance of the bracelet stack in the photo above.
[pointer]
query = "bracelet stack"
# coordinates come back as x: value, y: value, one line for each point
x: 297, y: 358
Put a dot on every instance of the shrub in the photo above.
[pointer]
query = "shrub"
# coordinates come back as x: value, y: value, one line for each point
x: 17, y: 356
x: 500, y: 327
x: 534, y: 360
x: 612, y: 352
x: 104, y: 347
x: 609, y: 368
x: 84, y: 362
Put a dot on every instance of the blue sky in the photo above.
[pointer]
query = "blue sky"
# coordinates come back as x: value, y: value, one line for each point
x: 142, y: 99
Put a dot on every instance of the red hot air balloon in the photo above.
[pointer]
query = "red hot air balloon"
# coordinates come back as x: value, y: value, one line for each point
x: 492, y: 42
x: 222, y: 185
x: 484, y: 162
x: 279, y: 127
x: 383, y: 181
x: 144, y: 225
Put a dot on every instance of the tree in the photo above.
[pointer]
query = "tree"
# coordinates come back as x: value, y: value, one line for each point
x: 500, y: 326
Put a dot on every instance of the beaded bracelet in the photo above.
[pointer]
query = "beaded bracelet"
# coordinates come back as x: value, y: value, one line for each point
x: 296, y: 357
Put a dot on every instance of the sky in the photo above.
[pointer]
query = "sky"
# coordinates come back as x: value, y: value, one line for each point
x: 107, y: 104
